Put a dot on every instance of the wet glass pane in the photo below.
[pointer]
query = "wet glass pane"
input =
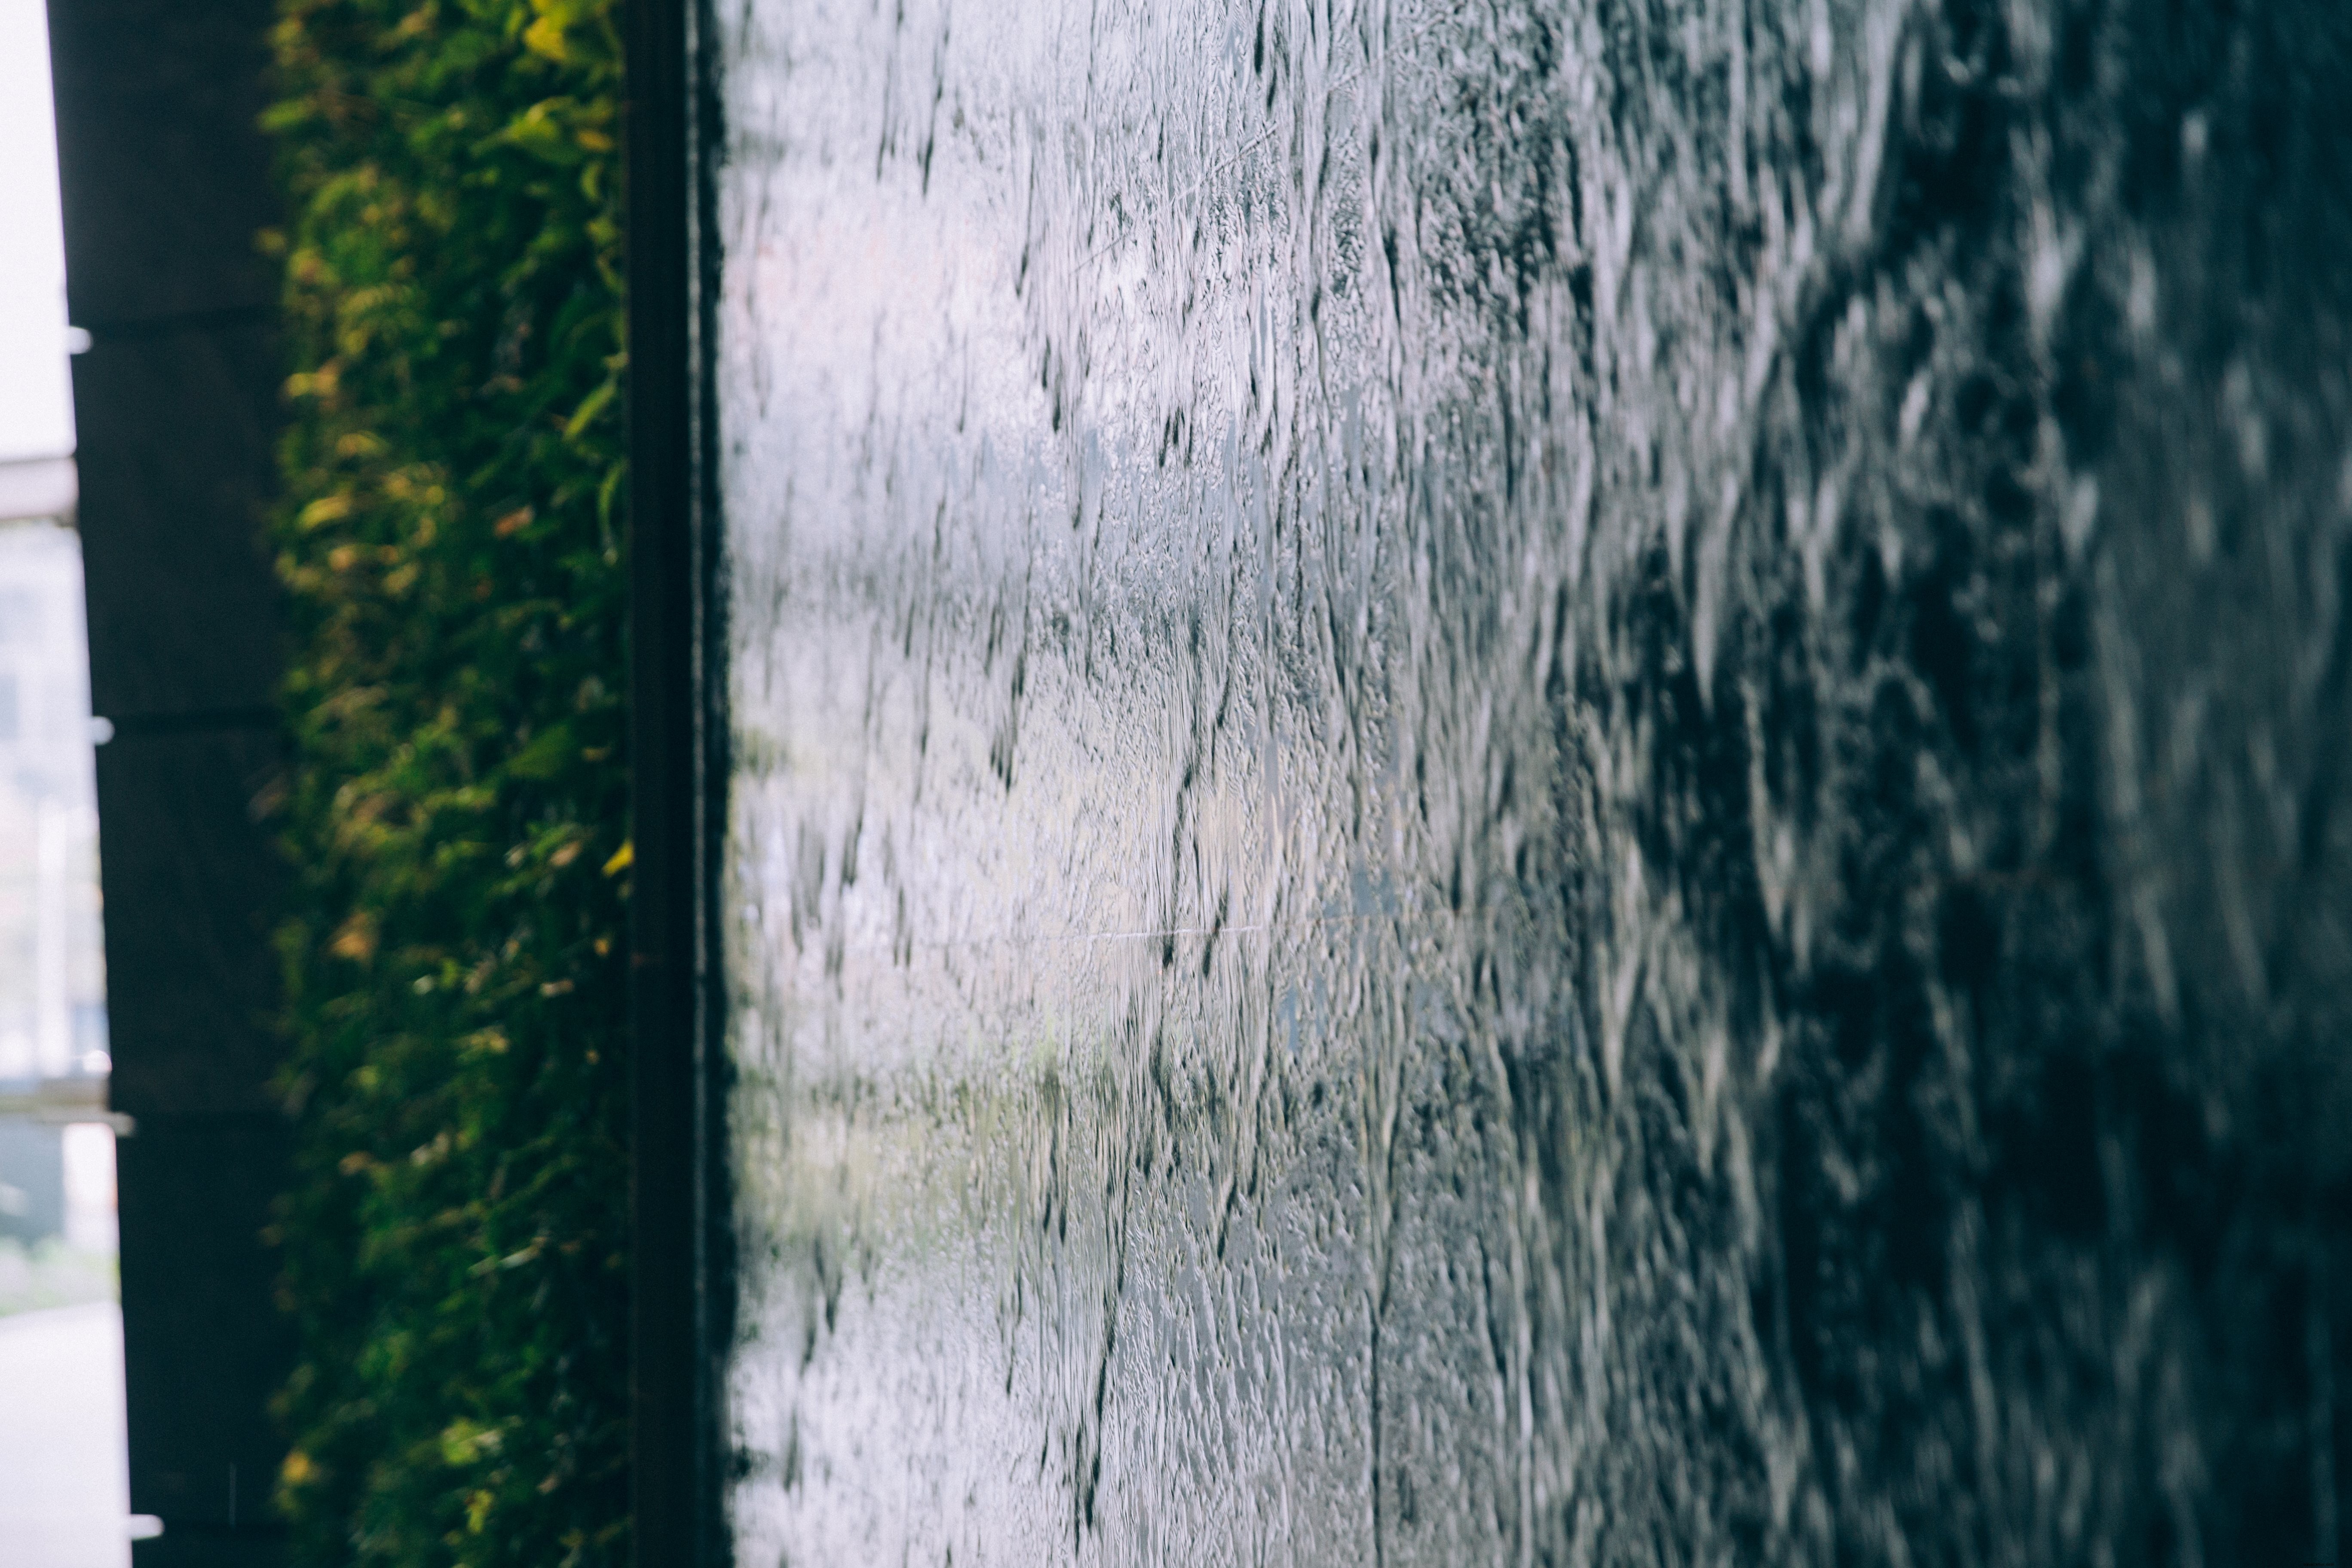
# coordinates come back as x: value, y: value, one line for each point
x: 1534, y: 782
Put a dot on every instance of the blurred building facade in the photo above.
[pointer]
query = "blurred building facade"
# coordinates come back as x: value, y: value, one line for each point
x: 52, y: 958
x: 52, y: 1034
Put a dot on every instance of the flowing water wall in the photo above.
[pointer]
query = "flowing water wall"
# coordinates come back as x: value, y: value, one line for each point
x: 1538, y: 783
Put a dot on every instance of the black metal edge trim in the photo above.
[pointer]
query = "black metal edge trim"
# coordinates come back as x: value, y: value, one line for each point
x: 106, y: 329
x: 190, y: 722
x: 680, y: 1271
x: 715, y: 1075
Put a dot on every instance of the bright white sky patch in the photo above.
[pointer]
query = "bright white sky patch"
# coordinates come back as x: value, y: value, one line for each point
x: 36, y: 405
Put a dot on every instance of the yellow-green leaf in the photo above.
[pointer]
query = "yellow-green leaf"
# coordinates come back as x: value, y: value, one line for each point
x: 590, y: 406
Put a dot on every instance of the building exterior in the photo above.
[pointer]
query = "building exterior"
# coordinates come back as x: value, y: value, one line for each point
x: 52, y: 963
x: 52, y: 959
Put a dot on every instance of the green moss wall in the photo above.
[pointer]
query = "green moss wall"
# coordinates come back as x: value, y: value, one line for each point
x: 450, y: 545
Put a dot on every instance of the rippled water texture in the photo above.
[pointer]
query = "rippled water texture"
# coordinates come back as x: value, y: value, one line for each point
x: 1538, y: 785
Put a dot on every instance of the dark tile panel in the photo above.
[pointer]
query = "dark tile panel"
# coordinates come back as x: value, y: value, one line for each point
x: 211, y: 1548
x: 200, y: 1342
x: 165, y: 173
x: 191, y: 881
x: 176, y: 436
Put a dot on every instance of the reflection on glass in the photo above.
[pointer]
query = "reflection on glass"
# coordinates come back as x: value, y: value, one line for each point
x: 64, y: 1484
x: 63, y: 1487
x: 56, y: 1239
x: 36, y: 406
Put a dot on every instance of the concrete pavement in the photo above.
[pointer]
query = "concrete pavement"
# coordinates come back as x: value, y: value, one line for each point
x: 65, y: 1490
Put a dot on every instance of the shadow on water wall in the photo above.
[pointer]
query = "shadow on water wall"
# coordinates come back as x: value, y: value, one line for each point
x: 1538, y: 785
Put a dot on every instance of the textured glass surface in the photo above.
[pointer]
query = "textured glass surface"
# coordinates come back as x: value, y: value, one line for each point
x: 1545, y: 783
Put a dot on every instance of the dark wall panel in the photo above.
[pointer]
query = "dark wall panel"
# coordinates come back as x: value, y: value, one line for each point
x: 174, y: 435
x: 166, y: 182
x: 199, y: 1335
x: 165, y: 173
x: 192, y: 882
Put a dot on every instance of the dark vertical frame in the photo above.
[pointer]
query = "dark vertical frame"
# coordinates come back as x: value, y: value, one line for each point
x: 165, y: 179
x: 679, y: 1267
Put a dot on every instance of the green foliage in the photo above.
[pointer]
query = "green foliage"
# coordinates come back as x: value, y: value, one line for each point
x: 456, y: 816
